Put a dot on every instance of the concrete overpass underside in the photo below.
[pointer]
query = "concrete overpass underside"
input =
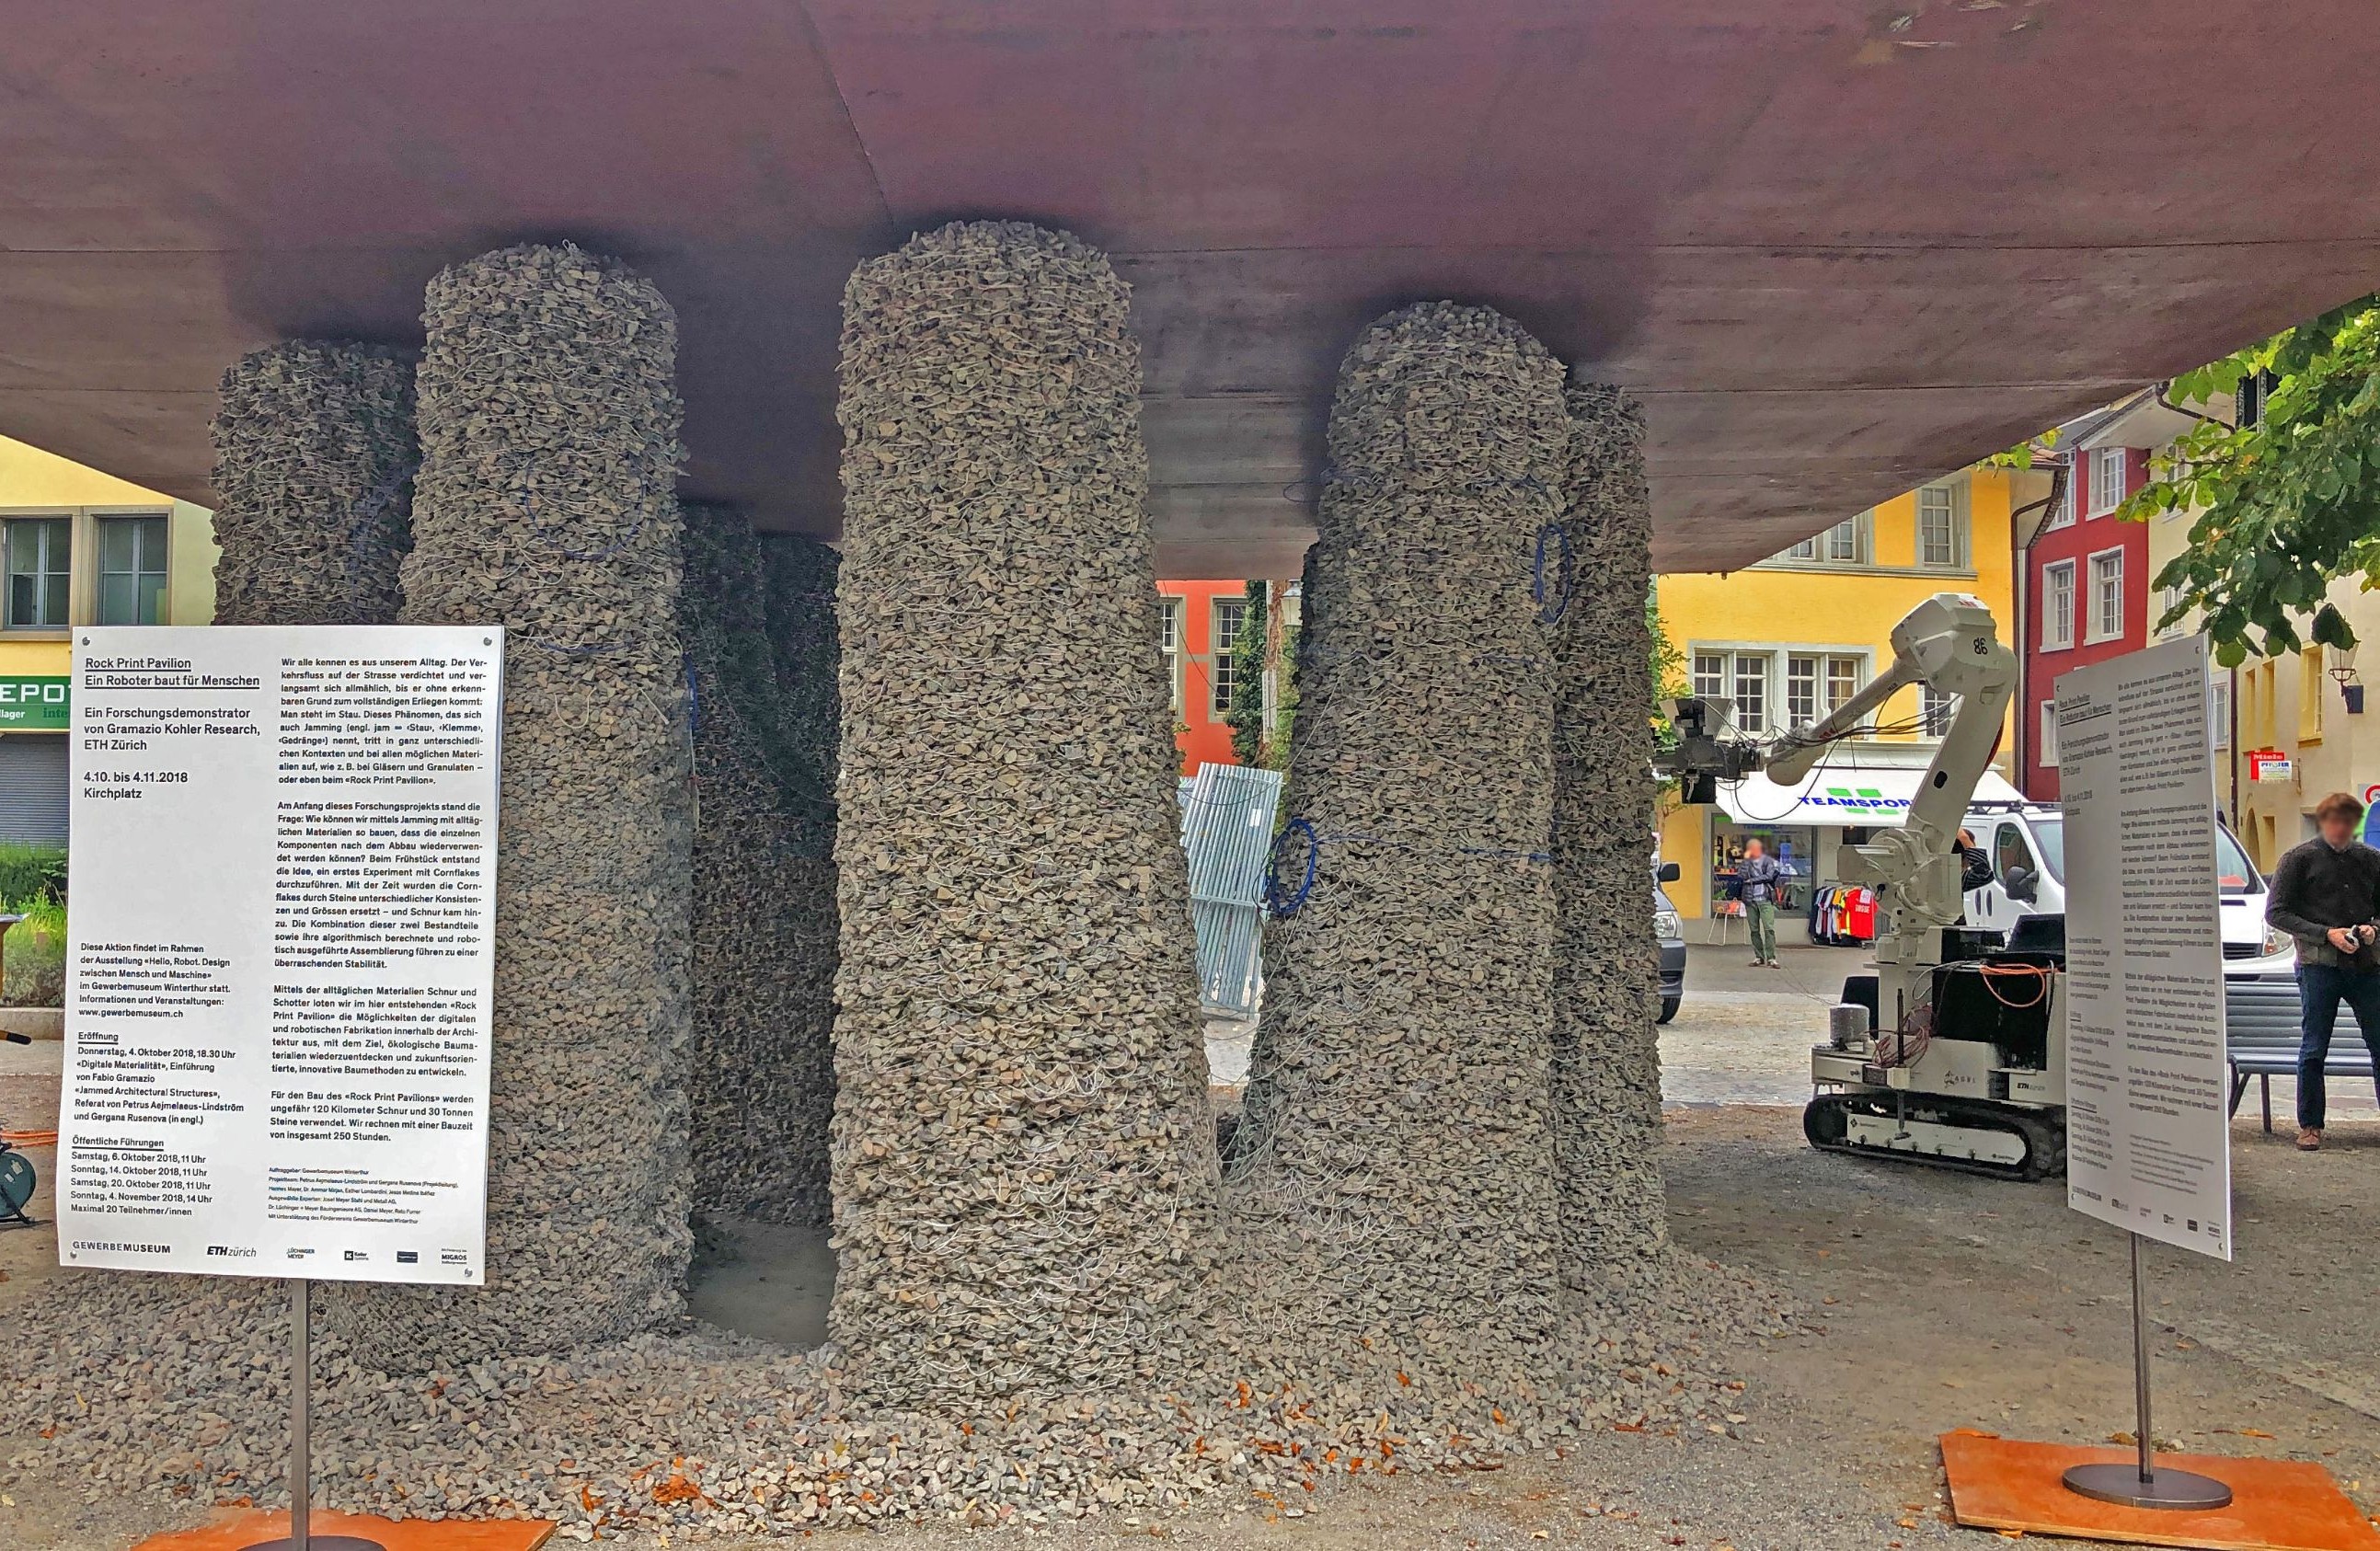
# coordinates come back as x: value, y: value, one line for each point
x: 1835, y: 247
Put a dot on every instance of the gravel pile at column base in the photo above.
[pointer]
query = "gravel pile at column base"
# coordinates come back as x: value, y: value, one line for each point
x: 546, y: 502
x: 313, y: 476
x: 763, y: 928
x: 176, y: 1387
x: 1606, y: 1056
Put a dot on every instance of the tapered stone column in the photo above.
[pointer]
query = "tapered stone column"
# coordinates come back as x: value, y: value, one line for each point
x: 314, y: 460
x: 1606, y: 1063
x: 1023, y: 1154
x: 546, y: 502
x: 1394, y: 1164
x: 760, y: 1073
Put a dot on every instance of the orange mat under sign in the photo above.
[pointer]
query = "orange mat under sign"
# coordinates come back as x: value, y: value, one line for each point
x: 2276, y: 1505
x: 245, y: 1527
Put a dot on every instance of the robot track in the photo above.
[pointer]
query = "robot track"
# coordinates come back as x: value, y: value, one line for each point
x: 1829, y: 1120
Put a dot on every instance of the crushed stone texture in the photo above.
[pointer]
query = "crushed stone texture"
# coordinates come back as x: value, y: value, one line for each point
x: 546, y: 502
x: 313, y: 476
x: 1024, y: 1168
x: 761, y: 1062
x: 1606, y: 1063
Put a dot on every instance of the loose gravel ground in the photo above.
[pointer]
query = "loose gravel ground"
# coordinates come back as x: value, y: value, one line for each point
x: 1936, y: 1301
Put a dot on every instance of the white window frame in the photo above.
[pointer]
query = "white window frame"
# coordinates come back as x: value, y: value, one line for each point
x: 1759, y: 669
x: 1936, y: 709
x: 1171, y: 607
x: 2109, y: 466
x: 1947, y: 502
x: 1219, y: 672
x: 1711, y: 684
x: 2048, y: 734
x: 2095, y: 629
x: 2062, y: 514
x: 2218, y: 710
x: 2168, y: 600
x: 2056, y: 623
x: 1796, y: 713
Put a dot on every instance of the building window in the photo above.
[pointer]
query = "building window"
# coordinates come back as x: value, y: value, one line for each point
x: 1229, y: 613
x: 1843, y: 544
x: 2170, y: 608
x: 2058, y: 606
x: 38, y: 547
x: 2311, y: 676
x: 1805, y: 676
x: 132, y: 570
x: 1752, y: 692
x: 2106, y: 479
x: 2049, y: 735
x: 2105, y: 620
x: 2218, y: 713
x: 1710, y: 675
x: 1936, y: 708
x: 2062, y: 512
x: 1818, y: 684
x: 1173, y: 642
x: 1941, y: 528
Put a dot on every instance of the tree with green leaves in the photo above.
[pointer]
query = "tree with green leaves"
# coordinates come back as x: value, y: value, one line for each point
x: 1246, y: 713
x: 2287, y: 504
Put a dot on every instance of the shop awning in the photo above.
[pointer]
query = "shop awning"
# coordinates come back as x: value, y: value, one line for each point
x: 1839, y: 794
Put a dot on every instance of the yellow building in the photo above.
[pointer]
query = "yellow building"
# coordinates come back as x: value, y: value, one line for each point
x: 1791, y: 639
x: 78, y: 546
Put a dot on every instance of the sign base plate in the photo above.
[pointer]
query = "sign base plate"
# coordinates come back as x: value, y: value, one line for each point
x: 2276, y: 1505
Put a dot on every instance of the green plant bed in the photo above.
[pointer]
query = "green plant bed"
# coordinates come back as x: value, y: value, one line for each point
x: 34, y: 952
x: 30, y: 872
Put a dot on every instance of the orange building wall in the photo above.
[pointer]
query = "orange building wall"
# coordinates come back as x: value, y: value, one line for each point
x: 1199, y: 730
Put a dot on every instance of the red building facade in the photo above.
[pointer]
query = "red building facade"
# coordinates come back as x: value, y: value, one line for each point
x: 2086, y: 592
x: 1202, y: 621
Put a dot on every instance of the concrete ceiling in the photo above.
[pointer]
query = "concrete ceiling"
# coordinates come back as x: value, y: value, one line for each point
x: 1839, y: 247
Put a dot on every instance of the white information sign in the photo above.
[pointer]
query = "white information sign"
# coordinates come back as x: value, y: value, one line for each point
x: 2148, y: 1143
x: 280, y: 950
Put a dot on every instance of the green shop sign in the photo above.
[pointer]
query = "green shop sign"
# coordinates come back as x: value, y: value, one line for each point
x: 31, y: 703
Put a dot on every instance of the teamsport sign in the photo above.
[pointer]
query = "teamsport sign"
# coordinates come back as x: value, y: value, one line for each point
x: 2148, y: 1132
x: 280, y: 951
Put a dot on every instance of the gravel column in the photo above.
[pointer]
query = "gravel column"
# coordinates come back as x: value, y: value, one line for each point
x: 1022, y: 1155
x: 314, y: 460
x: 760, y: 1073
x: 545, y: 502
x: 1396, y: 1162
x: 1606, y: 1063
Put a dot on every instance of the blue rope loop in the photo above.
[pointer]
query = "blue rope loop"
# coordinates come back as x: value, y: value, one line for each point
x: 1552, y: 594
x: 1278, y: 902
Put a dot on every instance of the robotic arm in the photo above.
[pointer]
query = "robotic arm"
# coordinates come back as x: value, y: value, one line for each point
x: 1949, y: 642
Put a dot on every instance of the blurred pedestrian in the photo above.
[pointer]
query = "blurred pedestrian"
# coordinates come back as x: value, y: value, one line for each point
x: 1759, y: 879
x: 2326, y: 893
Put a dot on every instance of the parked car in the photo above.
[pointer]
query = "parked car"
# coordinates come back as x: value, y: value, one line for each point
x: 1670, y: 930
x: 2026, y: 842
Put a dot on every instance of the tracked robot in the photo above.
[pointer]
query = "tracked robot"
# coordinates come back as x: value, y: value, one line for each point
x: 1953, y: 1053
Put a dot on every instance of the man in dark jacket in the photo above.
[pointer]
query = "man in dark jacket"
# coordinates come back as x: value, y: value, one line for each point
x: 2327, y: 895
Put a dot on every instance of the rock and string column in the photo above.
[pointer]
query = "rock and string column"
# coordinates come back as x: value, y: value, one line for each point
x: 314, y: 462
x: 799, y: 579
x: 1393, y: 1167
x: 759, y: 1065
x: 1023, y: 1153
x: 1606, y: 1063
x: 546, y: 502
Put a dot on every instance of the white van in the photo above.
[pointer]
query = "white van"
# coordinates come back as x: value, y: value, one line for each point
x: 2026, y: 842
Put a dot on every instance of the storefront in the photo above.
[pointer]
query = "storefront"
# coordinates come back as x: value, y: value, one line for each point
x: 1805, y: 824
x: 34, y: 721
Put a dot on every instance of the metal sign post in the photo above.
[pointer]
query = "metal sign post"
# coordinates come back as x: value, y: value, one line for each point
x: 2142, y: 1484
x: 301, y: 1439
